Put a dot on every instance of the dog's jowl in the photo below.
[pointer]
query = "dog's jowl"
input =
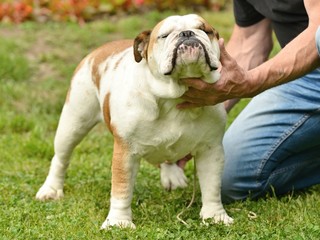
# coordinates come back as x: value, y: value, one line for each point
x: 134, y: 87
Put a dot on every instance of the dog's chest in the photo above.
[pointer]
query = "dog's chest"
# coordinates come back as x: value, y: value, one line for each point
x: 172, y: 133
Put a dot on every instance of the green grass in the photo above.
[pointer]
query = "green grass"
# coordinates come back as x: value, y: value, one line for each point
x: 36, y: 63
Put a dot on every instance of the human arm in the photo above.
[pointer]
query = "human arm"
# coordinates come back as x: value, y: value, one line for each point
x: 296, y: 59
x: 249, y: 46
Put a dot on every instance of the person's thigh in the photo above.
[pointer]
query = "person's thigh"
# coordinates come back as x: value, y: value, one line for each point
x: 275, y: 142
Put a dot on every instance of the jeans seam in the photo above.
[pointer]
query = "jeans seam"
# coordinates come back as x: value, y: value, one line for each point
x: 285, y: 169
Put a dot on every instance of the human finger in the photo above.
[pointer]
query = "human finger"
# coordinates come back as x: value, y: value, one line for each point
x: 224, y: 55
x: 195, y: 93
x: 186, y: 105
x: 196, y: 83
x: 192, y: 99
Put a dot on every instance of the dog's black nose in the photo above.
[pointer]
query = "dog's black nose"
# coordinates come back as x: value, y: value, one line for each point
x: 186, y: 34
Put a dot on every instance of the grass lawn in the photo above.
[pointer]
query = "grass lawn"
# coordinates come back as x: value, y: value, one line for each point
x: 36, y: 63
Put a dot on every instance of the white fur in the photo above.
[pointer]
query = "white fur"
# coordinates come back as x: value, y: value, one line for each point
x: 172, y: 177
x: 144, y: 115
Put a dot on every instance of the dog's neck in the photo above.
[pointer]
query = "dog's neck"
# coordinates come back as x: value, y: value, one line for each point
x: 165, y: 87
x: 168, y: 88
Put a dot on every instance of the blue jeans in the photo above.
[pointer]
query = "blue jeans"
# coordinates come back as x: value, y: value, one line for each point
x: 274, y: 144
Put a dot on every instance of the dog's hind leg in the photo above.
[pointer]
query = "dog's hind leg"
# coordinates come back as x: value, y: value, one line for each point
x: 80, y: 113
x: 172, y: 176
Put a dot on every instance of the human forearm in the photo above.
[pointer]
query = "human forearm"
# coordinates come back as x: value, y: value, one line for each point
x: 296, y: 59
x: 251, y: 46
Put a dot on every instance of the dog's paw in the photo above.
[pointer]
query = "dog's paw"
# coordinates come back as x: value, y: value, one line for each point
x: 172, y: 177
x: 49, y: 193
x: 221, y: 217
x: 108, y: 223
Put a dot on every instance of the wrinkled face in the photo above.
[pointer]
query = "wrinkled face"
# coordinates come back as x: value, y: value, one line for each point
x: 182, y: 46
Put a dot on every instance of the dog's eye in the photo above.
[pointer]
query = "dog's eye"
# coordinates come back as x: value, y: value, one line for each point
x: 208, y: 32
x: 163, y: 36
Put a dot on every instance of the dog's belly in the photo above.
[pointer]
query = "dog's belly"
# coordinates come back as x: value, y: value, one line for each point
x: 171, y: 149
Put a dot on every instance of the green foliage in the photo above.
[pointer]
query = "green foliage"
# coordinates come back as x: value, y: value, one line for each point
x: 37, y: 61
x: 12, y: 65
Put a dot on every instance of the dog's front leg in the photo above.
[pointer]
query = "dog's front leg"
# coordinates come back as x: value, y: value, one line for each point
x: 209, y: 168
x: 124, y: 170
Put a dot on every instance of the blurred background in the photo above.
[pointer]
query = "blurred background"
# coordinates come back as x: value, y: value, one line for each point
x: 86, y: 10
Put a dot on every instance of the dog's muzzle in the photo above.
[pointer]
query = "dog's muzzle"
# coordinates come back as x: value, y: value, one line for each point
x: 189, y: 42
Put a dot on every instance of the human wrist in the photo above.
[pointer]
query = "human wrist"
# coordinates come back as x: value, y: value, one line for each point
x: 256, y: 83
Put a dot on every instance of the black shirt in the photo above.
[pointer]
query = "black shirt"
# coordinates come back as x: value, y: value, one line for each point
x: 289, y: 17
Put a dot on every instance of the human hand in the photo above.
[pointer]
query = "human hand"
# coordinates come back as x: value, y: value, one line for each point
x: 234, y: 82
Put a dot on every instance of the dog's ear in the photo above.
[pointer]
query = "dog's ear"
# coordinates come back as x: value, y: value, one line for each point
x: 216, y: 34
x: 206, y: 27
x: 140, y: 45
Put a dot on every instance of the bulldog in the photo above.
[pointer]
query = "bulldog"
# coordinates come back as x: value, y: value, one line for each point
x: 134, y: 88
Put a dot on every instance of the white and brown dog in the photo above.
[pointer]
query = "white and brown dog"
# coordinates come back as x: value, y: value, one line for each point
x: 134, y: 87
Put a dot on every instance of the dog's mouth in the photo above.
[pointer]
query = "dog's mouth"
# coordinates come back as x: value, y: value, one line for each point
x: 190, y: 51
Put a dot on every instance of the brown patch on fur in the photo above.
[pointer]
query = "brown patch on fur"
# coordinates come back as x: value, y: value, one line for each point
x: 106, y: 112
x: 102, y: 53
x: 118, y: 62
x: 120, y: 170
x: 106, y: 68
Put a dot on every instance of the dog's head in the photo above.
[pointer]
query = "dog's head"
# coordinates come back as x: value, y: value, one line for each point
x: 179, y: 46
